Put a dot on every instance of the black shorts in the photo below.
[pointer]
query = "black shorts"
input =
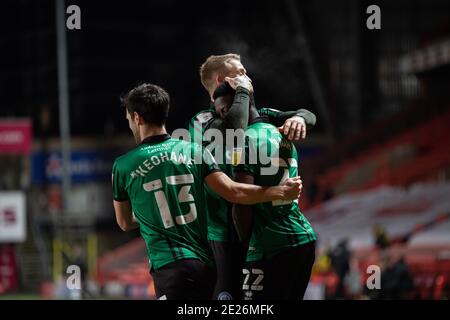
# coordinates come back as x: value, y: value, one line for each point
x: 186, y: 279
x: 283, y: 277
x: 230, y: 260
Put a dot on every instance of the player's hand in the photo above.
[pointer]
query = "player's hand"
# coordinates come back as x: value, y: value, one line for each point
x: 293, y: 188
x: 294, y: 128
x: 243, y: 81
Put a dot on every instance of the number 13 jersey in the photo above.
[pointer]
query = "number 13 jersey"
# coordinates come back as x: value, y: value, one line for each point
x: 162, y: 179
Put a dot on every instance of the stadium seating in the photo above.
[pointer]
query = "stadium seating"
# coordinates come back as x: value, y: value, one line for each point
x: 414, y: 155
x: 128, y: 267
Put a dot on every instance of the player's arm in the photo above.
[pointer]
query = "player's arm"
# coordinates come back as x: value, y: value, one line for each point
x: 243, y: 193
x: 243, y: 214
x: 237, y: 116
x: 293, y: 124
x: 121, y: 201
x: 124, y: 215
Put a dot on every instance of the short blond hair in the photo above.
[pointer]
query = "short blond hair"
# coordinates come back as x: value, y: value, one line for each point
x: 214, y: 65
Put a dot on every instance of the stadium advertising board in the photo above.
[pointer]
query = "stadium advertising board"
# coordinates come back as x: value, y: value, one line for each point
x: 12, y: 217
x: 15, y: 136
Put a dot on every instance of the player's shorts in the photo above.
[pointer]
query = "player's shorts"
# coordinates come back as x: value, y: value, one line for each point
x: 283, y: 277
x: 186, y: 279
x: 230, y: 260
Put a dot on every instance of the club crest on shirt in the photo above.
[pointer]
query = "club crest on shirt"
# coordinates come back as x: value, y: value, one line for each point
x: 236, y: 156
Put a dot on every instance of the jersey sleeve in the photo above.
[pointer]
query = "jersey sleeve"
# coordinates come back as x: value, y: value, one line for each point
x: 277, y: 117
x: 118, y: 184
x: 204, y: 160
x: 237, y: 116
x: 198, y: 124
x: 209, y: 164
x: 274, y: 116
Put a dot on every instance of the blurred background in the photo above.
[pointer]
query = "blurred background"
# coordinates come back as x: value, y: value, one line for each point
x: 376, y: 167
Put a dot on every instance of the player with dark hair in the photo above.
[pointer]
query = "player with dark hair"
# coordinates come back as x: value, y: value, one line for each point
x: 220, y: 68
x: 280, y: 240
x: 234, y: 114
x: 159, y: 187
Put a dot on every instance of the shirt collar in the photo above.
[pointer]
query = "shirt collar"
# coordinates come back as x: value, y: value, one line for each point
x: 156, y: 139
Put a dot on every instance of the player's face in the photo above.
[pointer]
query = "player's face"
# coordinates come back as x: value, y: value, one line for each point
x: 234, y: 68
x: 223, y: 104
x: 133, y: 127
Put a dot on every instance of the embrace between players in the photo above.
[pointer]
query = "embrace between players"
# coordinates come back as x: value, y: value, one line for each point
x: 224, y: 229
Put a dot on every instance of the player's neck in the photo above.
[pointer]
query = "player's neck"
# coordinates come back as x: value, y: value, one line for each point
x: 147, y: 131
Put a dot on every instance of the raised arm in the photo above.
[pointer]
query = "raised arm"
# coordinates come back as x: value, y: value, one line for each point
x: 278, y: 118
x: 236, y: 117
x: 293, y: 124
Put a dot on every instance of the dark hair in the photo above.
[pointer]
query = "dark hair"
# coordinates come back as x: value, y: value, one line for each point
x: 150, y: 101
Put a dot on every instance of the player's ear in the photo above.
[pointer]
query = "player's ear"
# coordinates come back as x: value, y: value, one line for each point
x: 218, y: 79
x: 137, y: 118
x: 221, y: 113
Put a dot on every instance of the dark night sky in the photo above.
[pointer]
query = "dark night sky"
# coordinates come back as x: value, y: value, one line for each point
x: 164, y: 42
